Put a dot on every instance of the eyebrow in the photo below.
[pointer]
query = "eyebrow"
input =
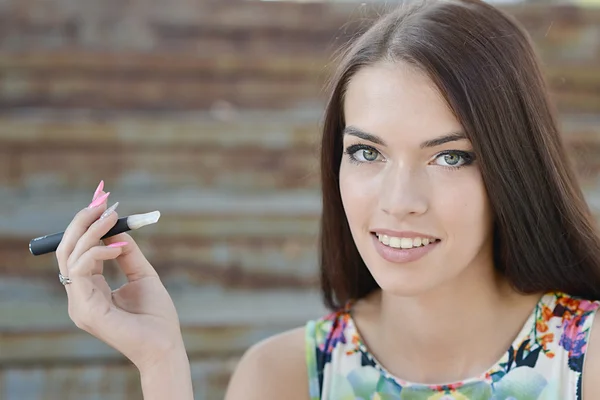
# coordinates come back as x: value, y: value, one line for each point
x: 451, y: 137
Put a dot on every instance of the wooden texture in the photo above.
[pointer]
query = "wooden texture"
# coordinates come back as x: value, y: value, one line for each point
x: 208, y: 111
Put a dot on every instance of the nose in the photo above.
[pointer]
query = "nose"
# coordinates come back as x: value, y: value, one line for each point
x: 403, y: 192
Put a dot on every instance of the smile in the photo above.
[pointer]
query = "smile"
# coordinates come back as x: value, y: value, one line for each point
x: 401, y: 249
x: 404, y: 243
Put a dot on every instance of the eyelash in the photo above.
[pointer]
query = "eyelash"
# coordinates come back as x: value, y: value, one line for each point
x: 467, y: 156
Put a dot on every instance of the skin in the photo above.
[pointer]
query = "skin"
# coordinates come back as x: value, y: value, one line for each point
x: 424, y: 326
x: 436, y: 192
x: 412, y: 189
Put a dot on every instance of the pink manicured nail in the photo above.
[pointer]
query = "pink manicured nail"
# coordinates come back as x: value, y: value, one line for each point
x: 117, y: 244
x: 98, y: 190
x: 99, y: 200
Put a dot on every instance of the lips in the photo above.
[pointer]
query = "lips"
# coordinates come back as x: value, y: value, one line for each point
x: 404, y: 242
x: 403, y: 249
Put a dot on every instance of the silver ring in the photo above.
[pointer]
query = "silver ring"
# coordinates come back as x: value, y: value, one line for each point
x: 65, y: 280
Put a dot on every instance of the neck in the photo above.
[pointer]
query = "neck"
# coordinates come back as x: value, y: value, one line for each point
x: 451, y: 333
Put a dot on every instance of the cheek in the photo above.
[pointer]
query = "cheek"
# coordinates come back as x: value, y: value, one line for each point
x: 359, y: 190
x: 463, y: 206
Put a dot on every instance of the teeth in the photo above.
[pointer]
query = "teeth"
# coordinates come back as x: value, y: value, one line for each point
x: 406, y: 243
x: 403, y: 243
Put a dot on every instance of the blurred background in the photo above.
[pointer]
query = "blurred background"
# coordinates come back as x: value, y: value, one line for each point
x: 209, y: 111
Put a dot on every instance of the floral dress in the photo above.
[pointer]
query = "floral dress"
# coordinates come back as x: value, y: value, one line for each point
x: 545, y: 361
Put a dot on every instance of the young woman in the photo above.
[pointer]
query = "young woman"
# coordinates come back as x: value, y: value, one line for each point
x: 458, y: 255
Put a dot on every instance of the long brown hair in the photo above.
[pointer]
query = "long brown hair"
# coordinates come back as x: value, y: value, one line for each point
x: 484, y: 64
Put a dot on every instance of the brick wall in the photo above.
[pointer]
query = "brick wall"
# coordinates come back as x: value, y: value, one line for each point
x: 209, y: 112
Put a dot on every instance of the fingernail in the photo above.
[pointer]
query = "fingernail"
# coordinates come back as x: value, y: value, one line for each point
x: 98, y: 190
x: 99, y: 200
x: 109, y: 210
x: 118, y: 244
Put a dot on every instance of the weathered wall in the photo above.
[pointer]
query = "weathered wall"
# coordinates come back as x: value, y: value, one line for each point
x: 209, y: 112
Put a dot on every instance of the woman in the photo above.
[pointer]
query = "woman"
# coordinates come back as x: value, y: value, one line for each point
x: 458, y: 255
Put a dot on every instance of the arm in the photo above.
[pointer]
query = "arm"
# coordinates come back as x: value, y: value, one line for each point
x: 168, y: 379
x: 272, y: 369
x: 591, y: 372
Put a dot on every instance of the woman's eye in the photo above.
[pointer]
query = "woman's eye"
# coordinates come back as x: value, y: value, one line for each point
x: 360, y: 153
x: 369, y: 155
x: 453, y: 159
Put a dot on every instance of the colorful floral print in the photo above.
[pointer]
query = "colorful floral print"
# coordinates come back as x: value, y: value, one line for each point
x: 545, y: 362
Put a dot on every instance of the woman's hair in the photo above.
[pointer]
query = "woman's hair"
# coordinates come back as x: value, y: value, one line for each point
x: 484, y: 65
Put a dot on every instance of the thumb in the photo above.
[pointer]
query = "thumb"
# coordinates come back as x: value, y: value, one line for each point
x: 132, y: 261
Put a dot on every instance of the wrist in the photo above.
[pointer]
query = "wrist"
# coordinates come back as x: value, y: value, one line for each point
x: 156, y: 354
x: 168, y: 377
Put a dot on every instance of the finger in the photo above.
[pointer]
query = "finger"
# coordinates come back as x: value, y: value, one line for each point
x: 84, y: 266
x: 83, y: 292
x: 77, y: 227
x: 89, y: 297
x: 92, y: 235
x: 99, y: 317
x: 132, y: 261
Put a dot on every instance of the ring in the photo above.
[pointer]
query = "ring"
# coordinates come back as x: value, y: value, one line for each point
x: 65, y: 280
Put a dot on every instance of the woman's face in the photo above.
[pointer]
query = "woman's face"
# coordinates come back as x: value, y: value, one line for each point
x: 410, y: 184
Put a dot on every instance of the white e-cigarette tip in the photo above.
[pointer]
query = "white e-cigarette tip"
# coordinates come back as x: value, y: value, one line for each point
x: 139, y: 220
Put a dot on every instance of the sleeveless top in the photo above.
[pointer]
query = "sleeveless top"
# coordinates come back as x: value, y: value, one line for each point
x: 545, y: 361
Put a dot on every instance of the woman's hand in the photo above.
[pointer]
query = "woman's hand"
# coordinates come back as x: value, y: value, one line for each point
x: 138, y: 319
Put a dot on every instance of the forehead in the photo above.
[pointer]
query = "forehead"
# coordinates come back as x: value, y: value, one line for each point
x: 393, y: 99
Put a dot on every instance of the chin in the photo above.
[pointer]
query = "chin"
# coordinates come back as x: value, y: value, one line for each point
x: 404, y: 281
x: 406, y: 289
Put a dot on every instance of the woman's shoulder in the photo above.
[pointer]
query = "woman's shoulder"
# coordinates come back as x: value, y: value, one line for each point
x: 568, y: 315
x: 279, y: 365
x: 591, y: 369
x: 565, y: 324
x: 579, y: 331
x: 333, y: 323
x: 565, y: 304
x: 273, y: 368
